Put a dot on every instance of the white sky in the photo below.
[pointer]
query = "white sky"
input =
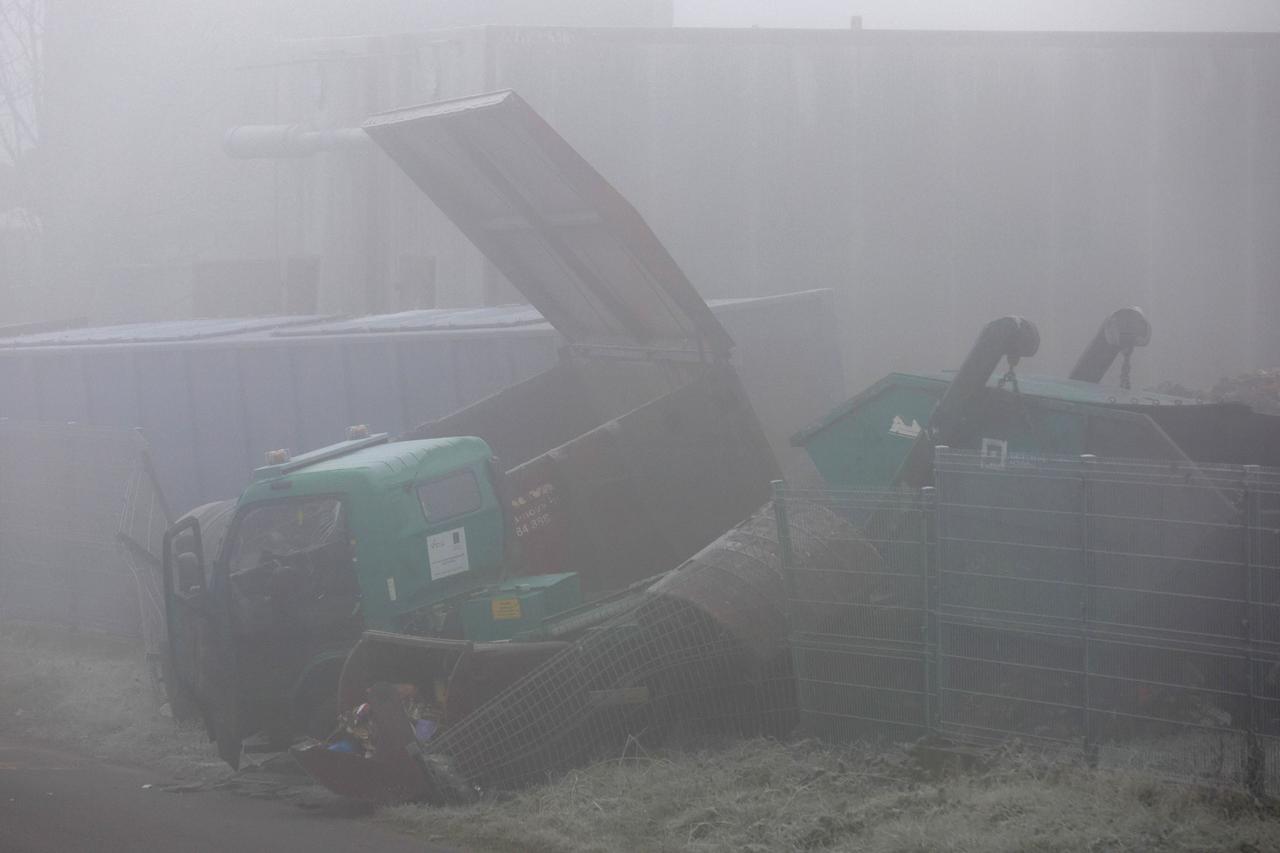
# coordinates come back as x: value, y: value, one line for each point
x: 986, y: 14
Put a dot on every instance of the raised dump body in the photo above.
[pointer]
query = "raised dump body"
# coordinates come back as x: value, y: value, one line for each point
x: 640, y: 446
x: 618, y: 470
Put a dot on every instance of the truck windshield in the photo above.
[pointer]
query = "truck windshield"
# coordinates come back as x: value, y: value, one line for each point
x: 276, y: 530
x: 292, y: 550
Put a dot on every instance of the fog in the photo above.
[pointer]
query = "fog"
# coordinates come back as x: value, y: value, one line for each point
x: 932, y: 182
x: 209, y: 251
x: 1141, y: 15
x: 946, y: 164
x: 931, y: 174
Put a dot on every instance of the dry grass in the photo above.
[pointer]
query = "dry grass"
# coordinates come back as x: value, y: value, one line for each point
x: 766, y: 796
x: 92, y: 694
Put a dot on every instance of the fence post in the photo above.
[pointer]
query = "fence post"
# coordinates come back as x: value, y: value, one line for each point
x: 784, y: 540
x: 929, y: 509
x: 939, y: 567
x: 1255, y: 756
x: 1087, y: 463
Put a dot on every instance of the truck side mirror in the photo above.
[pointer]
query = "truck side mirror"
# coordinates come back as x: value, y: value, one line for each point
x: 183, y: 560
x: 188, y: 578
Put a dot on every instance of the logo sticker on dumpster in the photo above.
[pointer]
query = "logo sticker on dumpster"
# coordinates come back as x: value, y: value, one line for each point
x: 447, y: 553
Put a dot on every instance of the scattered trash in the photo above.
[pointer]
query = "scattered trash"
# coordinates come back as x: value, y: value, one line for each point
x: 166, y: 710
x: 344, y: 745
x: 1259, y: 389
x: 147, y: 786
x: 355, y: 734
x: 424, y: 729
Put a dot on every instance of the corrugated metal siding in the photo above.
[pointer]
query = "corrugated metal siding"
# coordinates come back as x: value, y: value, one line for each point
x: 941, y: 179
x: 211, y: 406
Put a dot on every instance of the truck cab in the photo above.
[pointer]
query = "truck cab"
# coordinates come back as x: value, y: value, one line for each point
x: 264, y: 602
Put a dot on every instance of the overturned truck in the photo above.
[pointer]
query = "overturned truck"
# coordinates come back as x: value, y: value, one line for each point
x: 481, y: 546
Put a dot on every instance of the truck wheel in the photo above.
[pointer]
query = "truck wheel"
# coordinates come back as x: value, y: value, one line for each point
x: 315, y: 704
x: 322, y: 717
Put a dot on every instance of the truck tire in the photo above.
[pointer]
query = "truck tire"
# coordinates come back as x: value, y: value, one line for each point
x: 315, y: 703
x: 321, y: 716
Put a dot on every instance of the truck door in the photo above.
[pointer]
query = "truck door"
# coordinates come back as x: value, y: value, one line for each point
x: 201, y: 643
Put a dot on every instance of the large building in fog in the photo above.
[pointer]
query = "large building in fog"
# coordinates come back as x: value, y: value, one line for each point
x: 934, y: 179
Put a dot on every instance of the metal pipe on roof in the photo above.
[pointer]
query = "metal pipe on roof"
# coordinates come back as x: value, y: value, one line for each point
x: 1119, y: 334
x: 282, y: 141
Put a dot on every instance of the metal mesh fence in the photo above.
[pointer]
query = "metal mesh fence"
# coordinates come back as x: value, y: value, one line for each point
x: 859, y: 624
x: 1126, y: 608
x: 80, y: 521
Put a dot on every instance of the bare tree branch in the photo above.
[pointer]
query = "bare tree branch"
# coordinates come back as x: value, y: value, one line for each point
x: 21, y: 34
x: 21, y: 89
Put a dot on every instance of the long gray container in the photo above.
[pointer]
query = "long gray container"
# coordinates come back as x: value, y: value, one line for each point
x: 212, y: 395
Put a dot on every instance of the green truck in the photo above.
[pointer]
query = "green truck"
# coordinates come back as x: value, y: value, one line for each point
x: 552, y: 496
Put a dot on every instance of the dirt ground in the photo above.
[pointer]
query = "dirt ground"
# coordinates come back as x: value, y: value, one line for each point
x: 93, y: 695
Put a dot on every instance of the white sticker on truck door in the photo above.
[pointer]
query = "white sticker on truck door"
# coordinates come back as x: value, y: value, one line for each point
x: 447, y: 553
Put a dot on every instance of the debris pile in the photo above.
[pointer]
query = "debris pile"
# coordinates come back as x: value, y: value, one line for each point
x: 356, y: 731
x: 1258, y: 389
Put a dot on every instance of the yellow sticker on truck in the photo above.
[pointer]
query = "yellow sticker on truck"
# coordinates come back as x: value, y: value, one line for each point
x: 505, y: 608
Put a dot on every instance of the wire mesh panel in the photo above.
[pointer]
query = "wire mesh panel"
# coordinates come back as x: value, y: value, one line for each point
x: 1127, y: 608
x: 859, y: 615
x: 66, y: 493
x: 1012, y: 587
x: 1106, y: 603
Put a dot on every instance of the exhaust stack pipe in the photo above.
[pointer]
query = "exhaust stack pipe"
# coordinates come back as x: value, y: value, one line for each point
x: 1119, y: 334
x: 1009, y: 338
x: 288, y: 141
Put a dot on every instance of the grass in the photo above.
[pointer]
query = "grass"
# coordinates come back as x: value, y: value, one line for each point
x: 766, y: 796
x: 93, y: 694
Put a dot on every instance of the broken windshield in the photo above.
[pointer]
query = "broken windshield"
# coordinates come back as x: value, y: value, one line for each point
x: 292, y: 556
x: 273, y: 531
